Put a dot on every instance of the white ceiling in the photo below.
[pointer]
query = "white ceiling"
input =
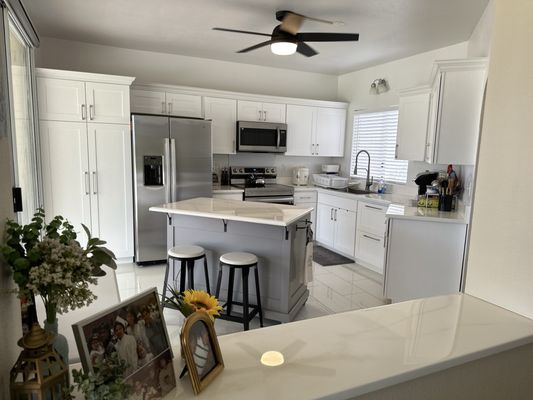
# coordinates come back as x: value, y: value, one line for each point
x: 389, y: 29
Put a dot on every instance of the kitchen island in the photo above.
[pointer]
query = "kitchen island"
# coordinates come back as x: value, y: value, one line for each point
x: 275, y: 233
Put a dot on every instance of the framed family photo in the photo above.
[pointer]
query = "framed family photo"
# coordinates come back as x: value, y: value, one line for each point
x: 135, y: 330
x: 201, y: 350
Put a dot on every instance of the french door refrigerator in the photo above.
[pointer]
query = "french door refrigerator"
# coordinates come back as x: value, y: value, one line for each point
x: 172, y: 161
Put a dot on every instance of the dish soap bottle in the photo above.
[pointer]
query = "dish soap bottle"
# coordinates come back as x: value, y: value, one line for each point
x: 381, y: 186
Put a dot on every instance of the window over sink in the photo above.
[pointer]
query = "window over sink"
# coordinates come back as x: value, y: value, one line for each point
x: 375, y: 132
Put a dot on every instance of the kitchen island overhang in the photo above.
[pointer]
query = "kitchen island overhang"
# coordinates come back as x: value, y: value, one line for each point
x: 275, y: 233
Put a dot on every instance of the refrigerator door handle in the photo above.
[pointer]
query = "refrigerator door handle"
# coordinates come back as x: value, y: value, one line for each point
x: 173, y: 192
x: 167, y: 181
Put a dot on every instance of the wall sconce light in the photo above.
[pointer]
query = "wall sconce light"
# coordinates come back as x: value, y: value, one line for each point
x: 379, y: 86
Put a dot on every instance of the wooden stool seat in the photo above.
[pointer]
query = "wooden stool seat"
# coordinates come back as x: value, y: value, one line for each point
x: 244, y: 262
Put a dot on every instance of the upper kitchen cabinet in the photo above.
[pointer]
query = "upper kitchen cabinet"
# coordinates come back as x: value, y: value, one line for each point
x: 256, y: 111
x: 223, y: 113
x: 77, y: 97
x: 440, y: 123
x: 413, y: 120
x: 166, y: 102
x: 315, y: 131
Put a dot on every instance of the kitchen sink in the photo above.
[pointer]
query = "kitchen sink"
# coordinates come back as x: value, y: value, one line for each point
x: 358, y: 191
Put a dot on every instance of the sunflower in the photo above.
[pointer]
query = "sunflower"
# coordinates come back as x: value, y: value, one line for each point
x: 201, y: 301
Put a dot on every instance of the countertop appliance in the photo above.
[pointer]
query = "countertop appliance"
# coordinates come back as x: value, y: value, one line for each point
x: 259, y: 184
x: 300, y: 176
x: 330, y: 168
x: 424, y: 179
x: 261, y: 137
x: 172, y: 161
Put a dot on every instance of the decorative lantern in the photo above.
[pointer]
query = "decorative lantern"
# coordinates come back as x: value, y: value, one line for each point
x: 39, y: 373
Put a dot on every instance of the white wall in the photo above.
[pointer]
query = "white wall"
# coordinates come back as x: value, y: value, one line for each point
x: 408, y: 72
x: 480, y: 40
x: 151, y: 67
x: 500, y: 262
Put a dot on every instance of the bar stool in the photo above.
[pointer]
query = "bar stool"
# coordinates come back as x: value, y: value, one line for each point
x: 187, y: 255
x: 243, y: 261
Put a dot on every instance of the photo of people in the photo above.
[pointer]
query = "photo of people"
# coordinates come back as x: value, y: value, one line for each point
x: 153, y: 382
x: 136, y: 332
x: 201, y: 349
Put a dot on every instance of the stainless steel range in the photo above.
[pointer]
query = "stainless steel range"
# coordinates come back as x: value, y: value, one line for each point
x: 259, y: 184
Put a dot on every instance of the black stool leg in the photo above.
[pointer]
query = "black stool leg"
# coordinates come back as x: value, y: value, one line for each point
x: 165, y: 283
x: 230, y: 290
x: 219, y: 281
x: 258, y: 294
x: 182, y: 276
x: 245, y: 313
x: 190, y: 272
x: 206, y: 271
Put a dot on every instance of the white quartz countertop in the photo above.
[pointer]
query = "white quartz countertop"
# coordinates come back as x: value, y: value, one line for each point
x: 218, y: 188
x: 236, y: 210
x: 346, y: 355
x: 427, y: 214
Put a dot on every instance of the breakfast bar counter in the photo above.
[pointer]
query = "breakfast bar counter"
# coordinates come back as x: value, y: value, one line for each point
x: 446, y: 347
x: 275, y: 233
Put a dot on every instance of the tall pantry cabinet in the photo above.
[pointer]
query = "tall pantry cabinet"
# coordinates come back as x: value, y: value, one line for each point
x: 86, y: 153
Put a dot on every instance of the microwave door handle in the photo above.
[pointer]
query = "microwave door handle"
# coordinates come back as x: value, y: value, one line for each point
x: 278, y: 139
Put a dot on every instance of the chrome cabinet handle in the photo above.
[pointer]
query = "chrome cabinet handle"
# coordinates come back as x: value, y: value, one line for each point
x: 170, y: 108
x: 264, y: 115
x: 260, y: 115
x: 372, y: 238
x: 373, y: 208
x: 83, y: 112
x: 305, y: 197
x: 91, y: 112
x: 336, y: 214
x: 331, y: 215
x: 95, y: 183
x: 317, y: 149
x: 396, y: 151
x: 86, y: 182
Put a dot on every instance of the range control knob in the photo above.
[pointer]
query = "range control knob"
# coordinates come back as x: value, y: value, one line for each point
x: 241, y: 170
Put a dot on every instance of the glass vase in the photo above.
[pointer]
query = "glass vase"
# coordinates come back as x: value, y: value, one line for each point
x: 60, y: 341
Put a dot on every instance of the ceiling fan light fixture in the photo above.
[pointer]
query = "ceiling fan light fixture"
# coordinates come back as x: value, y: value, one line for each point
x: 283, y: 48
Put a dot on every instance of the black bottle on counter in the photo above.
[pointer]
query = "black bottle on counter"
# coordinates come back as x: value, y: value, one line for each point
x: 224, y: 177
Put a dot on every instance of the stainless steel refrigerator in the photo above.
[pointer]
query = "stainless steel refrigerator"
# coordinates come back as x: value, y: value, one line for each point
x: 172, y: 161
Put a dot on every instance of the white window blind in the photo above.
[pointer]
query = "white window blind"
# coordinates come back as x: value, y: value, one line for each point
x: 375, y: 132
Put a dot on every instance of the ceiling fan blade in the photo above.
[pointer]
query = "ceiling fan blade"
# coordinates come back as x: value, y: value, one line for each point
x: 327, y: 37
x: 257, y: 46
x: 237, y: 31
x: 291, y: 23
x: 280, y: 15
x: 306, y: 50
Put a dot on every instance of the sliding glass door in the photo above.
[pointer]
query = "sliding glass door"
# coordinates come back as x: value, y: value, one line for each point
x: 23, y: 128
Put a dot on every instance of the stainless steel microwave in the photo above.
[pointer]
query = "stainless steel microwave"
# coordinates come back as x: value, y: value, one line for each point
x: 261, y: 137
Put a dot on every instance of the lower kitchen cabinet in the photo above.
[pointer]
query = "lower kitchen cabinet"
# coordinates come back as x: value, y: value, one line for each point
x: 370, y: 236
x: 87, y: 179
x: 423, y: 258
x: 307, y: 199
x: 336, y: 224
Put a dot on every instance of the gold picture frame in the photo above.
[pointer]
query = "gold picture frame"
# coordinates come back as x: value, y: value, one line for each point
x: 201, y: 350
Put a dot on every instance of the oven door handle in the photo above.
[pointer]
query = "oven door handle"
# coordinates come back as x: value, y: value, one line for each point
x: 272, y: 199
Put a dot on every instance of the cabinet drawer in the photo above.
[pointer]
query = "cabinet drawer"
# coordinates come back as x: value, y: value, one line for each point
x: 369, y: 249
x: 339, y: 202
x: 305, y: 197
x: 371, y: 218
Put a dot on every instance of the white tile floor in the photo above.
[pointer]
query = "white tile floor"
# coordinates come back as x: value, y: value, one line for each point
x: 335, y: 289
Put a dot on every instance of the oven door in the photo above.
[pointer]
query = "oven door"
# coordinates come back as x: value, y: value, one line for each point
x: 272, y: 199
x: 261, y: 137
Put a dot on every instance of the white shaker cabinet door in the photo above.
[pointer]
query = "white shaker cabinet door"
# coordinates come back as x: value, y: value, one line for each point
x: 301, y: 124
x: 66, y: 174
x: 61, y: 100
x: 249, y: 111
x: 184, y: 105
x: 274, y: 112
x: 223, y: 113
x: 325, y: 224
x: 345, y: 231
x: 413, y: 121
x: 111, y: 186
x: 108, y: 103
x: 148, y: 102
x: 330, y: 129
